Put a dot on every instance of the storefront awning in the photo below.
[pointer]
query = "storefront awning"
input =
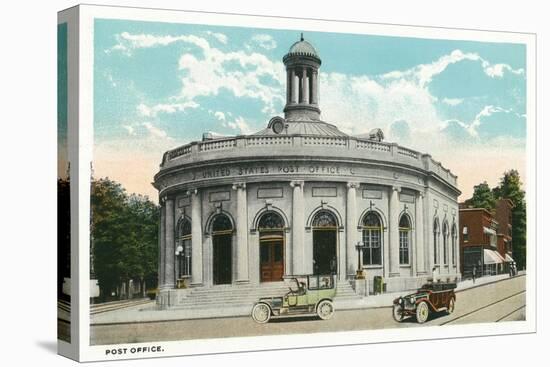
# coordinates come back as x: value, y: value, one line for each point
x: 509, y: 258
x: 492, y: 257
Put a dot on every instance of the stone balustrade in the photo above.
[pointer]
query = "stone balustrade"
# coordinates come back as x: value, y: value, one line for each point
x: 382, y: 150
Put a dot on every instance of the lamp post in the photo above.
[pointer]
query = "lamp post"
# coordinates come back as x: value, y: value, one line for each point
x: 360, y: 274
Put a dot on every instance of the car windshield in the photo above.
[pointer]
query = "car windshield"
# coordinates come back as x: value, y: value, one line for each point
x: 297, y: 285
x: 316, y: 282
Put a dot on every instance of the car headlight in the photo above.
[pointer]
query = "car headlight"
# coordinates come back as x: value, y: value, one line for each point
x: 412, y: 300
x: 400, y: 301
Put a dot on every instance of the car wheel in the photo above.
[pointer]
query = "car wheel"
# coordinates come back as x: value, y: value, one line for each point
x: 325, y: 309
x: 397, y: 313
x: 422, y: 312
x: 451, y: 306
x: 261, y: 313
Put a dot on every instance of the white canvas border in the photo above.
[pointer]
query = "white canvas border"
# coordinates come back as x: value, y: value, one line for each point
x: 192, y: 347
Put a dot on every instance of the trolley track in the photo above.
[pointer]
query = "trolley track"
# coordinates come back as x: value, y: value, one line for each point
x: 510, y: 313
x: 479, y: 309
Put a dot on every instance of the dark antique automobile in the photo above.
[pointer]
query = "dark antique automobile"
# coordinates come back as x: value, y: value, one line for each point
x: 312, y: 298
x: 431, y: 297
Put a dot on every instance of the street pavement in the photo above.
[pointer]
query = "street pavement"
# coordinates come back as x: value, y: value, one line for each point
x: 148, y: 312
x: 490, y: 299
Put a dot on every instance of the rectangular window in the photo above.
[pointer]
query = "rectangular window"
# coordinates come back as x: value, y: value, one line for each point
x: 404, y: 247
x: 184, y: 257
x: 445, y: 242
x: 372, y: 253
x: 465, y: 233
x: 436, y: 252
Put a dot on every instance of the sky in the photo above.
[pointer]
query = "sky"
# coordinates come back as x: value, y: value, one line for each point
x: 161, y: 85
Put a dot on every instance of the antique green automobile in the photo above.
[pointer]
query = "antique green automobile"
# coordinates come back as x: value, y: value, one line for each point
x: 312, y: 298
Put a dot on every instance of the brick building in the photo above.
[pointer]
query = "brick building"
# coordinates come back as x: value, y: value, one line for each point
x: 486, y: 239
x: 503, y: 215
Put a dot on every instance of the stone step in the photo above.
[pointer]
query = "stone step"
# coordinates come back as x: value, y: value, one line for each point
x: 254, y: 295
x: 246, y: 295
x: 188, y: 305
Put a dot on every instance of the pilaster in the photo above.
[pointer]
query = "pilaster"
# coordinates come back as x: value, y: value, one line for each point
x: 242, y: 233
x: 298, y: 247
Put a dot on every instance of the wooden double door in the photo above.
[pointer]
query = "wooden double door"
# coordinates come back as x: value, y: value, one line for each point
x: 272, y: 259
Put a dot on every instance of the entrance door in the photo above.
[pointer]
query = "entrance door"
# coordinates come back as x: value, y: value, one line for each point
x: 325, y: 229
x: 324, y: 251
x: 271, y: 260
x: 222, y: 258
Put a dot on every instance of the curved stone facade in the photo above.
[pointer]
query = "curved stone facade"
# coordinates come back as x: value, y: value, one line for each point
x: 299, y: 199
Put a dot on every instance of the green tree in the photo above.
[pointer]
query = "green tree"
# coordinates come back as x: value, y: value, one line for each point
x: 124, y: 232
x: 510, y: 187
x: 482, y: 197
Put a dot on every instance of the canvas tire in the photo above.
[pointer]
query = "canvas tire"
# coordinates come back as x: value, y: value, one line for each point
x: 325, y: 310
x: 261, y: 313
x: 397, y: 313
x: 422, y: 312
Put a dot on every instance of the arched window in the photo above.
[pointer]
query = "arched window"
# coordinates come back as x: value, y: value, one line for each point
x: 404, y: 239
x: 436, y: 244
x: 183, y: 248
x: 453, y: 243
x: 222, y: 223
x: 324, y: 219
x: 271, y: 221
x: 372, y: 239
x: 445, y: 243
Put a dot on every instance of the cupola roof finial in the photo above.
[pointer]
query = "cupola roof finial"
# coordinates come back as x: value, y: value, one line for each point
x: 302, y: 36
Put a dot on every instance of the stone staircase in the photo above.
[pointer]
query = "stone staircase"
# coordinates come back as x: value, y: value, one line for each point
x: 246, y: 295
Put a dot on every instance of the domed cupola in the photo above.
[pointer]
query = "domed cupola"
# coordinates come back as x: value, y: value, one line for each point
x: 302, y: 86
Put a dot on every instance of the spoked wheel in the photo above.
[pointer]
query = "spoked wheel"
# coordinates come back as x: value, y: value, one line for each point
x: 325, y: 310
x: 261, y: 313
x: 451, y: 306
x: 397, y: 313
x: 422, y: 312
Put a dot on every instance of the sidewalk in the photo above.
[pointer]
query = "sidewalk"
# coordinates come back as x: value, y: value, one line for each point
x: 149, y: 313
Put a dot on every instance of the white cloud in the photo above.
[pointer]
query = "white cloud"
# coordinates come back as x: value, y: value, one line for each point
x: 487, y: 111
x: 152, y: 111
x: 129, y: 129
x: 220, y: 115
x: 359, y: 103
x: 155, y: 131
x: 216, y: 71
x: 128, y: 42
x: 242, y: 74
x: 241, y: 125
x: 424, y: 73
x: 497, y: 70
x: 452, y: 101
x: 219, y: 36
x: 264, y: 41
